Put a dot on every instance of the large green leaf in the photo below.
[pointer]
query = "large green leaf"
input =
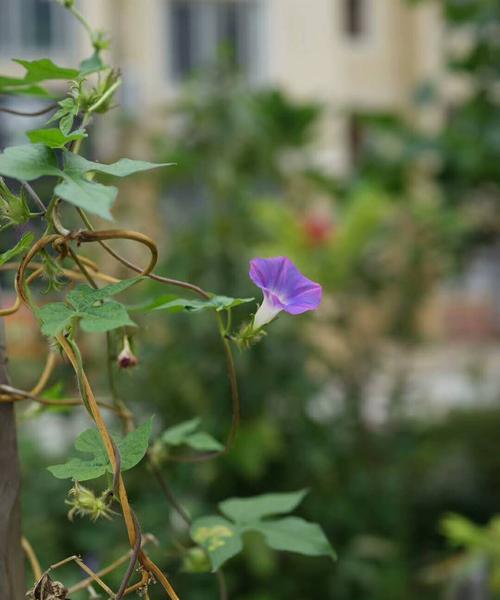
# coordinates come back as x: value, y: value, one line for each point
x: 295, y: 535
x: 91, y: 307
x: 108, y: 316
x: 220, y: 538
x: 44, y: 69
x: 132, y: 449
x: 28, y: 162
x: 89, y: 195
x: 83, y: 296
x: 55, y: 317
x: 21, y: 247
x: 243, y: 510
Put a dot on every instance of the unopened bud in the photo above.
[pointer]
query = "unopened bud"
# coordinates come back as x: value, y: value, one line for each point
x: 127, y: 359
x: 84, y: 502
x: 196, y: 561
x: 13, y: 209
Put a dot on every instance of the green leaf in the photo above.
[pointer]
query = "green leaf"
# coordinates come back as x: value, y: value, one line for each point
x: 55, y: 317
x: 176, y: 304
x: 121, y: 168
x: 16, y: 86
x: 176, y: 435
x: 83, y: 296
x: 78, y: 469
x: 36, y: 160
x: 89, y: 195
x: 90, y: 441
x: 291, y: 534
x: 220, y: 538
x: 203, y: 441
x: 28, y: 162
x: 244, y: 510
x: 83, y: 305
x: 92, y: 64
x: 54, y: 137
x: 66, y: 123
x: 295, y: 535
x: 134, y: 446
x: 44, y: 69
x: 22, y: 246
x: 107, y: 317
x: 185, y: 433
x: 132, y: 449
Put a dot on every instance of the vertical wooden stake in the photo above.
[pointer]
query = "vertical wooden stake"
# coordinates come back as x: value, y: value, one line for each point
x: 12, y: 585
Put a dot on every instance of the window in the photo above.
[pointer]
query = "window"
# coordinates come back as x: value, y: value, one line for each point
x: 355, y: 17
x: 204, y: 31
x: 32, y: 26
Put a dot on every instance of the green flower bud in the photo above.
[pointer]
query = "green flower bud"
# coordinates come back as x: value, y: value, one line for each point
x: 84, y: 503
x: 248, y: 336
x: 14, y: 209
x: 196, y: 561
x: 100, y: 41
x: 158, y: 453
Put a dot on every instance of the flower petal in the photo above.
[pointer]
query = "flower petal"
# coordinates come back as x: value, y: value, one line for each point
x: 269, y: 273
x: 309, y: 298
x: 283, y: 284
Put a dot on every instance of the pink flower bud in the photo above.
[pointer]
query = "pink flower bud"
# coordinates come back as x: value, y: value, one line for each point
x: 126, y: 358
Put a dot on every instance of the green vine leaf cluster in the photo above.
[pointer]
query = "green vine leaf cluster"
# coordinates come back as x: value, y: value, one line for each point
x: 132, y: 449
x: 92, y: 308
x: 32, y: 161
x: 223, y: 537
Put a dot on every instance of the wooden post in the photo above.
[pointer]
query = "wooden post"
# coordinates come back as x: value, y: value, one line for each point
x: 12, y: 584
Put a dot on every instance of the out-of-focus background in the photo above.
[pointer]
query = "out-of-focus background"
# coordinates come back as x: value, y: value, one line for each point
x: 361, y: 138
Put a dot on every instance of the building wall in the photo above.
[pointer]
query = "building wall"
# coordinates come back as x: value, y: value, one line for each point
x: 300, y: 45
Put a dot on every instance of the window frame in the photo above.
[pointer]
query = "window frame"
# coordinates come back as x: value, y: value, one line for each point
x: 17, y: 41
x: 208, y: 41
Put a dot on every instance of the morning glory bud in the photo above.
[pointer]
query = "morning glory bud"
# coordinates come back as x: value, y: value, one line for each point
x: 126, y: 358
x: 284, y: 287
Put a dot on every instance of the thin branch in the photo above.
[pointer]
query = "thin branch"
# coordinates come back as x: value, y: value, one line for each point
x: 110, y: 568
x: 35, y: 197
x: 133, y: 560
x: 33, y: 559
x: 20, y: 113
x: 16, y: 395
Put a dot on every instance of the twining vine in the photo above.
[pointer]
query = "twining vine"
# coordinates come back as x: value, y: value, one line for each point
x: 56, y: 256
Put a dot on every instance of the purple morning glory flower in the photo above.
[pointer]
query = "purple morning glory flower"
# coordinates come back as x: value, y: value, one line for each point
x: 284, y: 287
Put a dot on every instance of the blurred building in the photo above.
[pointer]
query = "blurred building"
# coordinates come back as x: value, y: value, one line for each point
x: 350, y: 55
